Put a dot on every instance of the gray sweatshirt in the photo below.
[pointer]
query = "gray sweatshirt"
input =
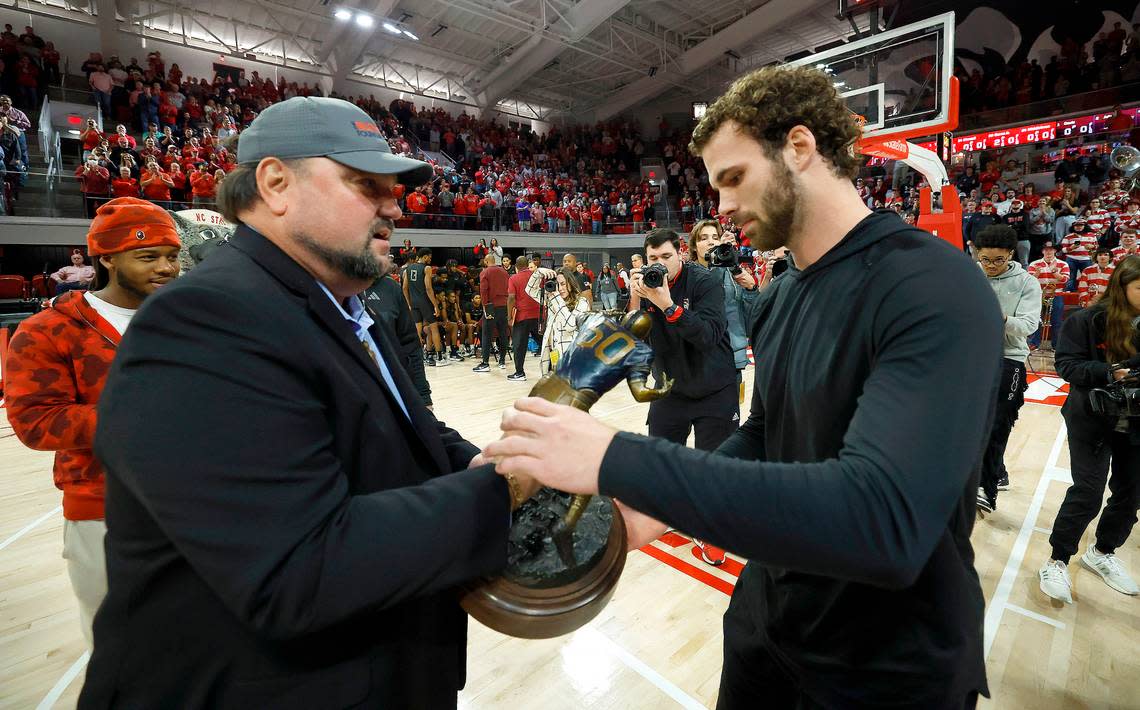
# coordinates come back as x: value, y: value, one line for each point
x: 1019, y: 296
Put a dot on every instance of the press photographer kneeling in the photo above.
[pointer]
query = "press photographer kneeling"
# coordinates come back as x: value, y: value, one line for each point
x: 1097, y: 356
x: 690, y: 343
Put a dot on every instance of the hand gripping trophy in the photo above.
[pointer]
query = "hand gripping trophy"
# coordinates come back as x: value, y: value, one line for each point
x: 566, y: 553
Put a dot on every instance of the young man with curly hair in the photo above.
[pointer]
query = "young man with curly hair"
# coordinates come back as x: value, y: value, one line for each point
x: 851, y: 487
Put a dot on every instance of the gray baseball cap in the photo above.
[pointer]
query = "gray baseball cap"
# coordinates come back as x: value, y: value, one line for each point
x: 314, y: 127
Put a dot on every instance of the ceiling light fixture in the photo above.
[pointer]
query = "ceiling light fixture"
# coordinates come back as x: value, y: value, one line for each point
x: 411, y: 34
x: 363, y: 20
x: 391, y: 28
x: 343, y: 14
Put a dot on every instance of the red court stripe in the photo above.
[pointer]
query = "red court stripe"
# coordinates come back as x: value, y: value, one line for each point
x: 730, y: 565
x: 672, y: 539
x: 685, y: 568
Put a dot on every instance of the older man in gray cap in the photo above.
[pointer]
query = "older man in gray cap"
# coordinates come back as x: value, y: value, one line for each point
x: 287, y: 523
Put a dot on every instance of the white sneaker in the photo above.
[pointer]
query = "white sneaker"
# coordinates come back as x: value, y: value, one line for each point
x: 1055, y: 582
x: 1110, y: 570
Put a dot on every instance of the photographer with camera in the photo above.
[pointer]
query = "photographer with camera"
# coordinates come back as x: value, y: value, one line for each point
x: 690, y: 344
x: 566, y: 305
x: 1097, y: 356
x: 1019, y: 296
x: 715, y: 249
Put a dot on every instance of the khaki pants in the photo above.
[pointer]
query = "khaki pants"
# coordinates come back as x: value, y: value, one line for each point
x: 87, y: 568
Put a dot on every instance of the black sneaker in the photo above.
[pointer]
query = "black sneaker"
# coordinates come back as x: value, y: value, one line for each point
x: 1003, y: 482
x: 986, y: 505
x: 502, y: 365
x: 429, y: 361
x: 455, y: 356
x: 481, y: 367
x: 517, y: 377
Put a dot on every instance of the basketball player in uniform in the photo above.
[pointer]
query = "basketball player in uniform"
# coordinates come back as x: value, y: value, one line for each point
x: 425, y: 308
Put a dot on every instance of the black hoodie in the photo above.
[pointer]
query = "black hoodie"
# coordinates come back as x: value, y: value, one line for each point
x: 851, y: 486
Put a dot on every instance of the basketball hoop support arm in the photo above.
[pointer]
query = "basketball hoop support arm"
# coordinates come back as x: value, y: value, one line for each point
x: 948, y: 223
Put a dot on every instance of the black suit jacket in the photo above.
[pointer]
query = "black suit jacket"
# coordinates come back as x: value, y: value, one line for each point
x: 279, y: 534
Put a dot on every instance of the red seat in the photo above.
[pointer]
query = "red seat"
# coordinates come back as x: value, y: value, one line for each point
x: 41, y: 287
x: 13, y: 286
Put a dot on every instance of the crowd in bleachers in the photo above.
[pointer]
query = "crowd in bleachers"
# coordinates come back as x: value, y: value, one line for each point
x: 576, y: 179
x: 1111, y: 59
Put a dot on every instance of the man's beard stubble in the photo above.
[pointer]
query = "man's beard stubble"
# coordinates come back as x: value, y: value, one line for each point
x: 361, y: 265
x: 777, y: 216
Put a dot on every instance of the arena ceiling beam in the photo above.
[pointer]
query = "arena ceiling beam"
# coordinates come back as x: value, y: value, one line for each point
x: 737, y: 35
x: 348, y: 40
x: 536, y: 52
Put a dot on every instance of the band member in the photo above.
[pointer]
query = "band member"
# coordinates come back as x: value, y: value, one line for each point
x: 1052, y: 274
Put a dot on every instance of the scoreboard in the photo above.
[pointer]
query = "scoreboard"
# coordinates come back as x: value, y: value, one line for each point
x: 1034, y: 133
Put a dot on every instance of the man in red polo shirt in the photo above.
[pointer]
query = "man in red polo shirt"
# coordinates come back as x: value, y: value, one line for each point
x: 493, y: 289
x: 522, y: 314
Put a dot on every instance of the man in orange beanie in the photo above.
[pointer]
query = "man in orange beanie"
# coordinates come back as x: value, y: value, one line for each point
x: 58, y: 361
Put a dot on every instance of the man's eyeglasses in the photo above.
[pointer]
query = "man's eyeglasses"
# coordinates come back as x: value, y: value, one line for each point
x: 1000, y: 261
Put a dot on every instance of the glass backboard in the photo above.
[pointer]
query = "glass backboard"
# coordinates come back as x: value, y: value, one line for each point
x: 897, y: 80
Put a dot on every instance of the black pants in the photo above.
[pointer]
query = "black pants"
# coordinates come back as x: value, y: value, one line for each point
x: 1010, y: 397
x: 521, y: 333
x: 713, y: 418
x: 498, y: 325
x: 752, y: 677
x: 1090, y: 461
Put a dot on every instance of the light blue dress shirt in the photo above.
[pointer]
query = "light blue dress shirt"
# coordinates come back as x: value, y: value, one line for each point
x: 360, y: 321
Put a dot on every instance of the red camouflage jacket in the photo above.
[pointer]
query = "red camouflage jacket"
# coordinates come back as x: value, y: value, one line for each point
x: 56, y: 366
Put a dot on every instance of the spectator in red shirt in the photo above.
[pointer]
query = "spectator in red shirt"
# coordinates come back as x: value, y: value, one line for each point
x: 596, y: 217
x: 125, y: 185
x: 178, y: 182
x: 204, y: 188
x: 91, y: 137
x: 638, y: 212
x: 121, y: 131
x: 27, y: 83
x: 522, y: 314
x: 417, y: 205
x: 156, y: 184
x: 493, y: 290
x: 95, y: 183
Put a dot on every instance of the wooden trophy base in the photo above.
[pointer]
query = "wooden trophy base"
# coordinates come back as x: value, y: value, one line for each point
x: 539, y: 596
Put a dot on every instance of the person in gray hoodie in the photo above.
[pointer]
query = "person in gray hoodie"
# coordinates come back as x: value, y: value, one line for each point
x: 1019, y: 296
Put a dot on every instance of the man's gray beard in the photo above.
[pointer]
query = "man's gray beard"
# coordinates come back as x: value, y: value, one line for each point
x: 361, y: 266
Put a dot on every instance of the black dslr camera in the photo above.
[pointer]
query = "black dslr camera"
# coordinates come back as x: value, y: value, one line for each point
x: 551, y: 285
x: 725, y: 256
x: 1119, y: 399
x: 653, y: 276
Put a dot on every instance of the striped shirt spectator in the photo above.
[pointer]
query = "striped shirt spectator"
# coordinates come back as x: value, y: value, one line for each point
x: 1050, y: 272
x: 1093, y: 281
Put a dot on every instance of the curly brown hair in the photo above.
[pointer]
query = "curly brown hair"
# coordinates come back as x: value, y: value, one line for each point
x: 770, y: 101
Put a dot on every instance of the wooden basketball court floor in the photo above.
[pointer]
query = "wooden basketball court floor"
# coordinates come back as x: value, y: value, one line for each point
x: 658, y: 643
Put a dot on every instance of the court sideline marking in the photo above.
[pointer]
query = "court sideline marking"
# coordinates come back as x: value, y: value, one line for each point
x: 30, y: 526
x: 1000, y: 600
x: 53, y: 695
x: 641, y: 668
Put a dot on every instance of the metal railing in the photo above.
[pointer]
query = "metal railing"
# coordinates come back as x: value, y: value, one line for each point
x: 1041, y: 110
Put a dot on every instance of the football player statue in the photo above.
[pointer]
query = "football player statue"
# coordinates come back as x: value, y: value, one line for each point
x: 565, y: 553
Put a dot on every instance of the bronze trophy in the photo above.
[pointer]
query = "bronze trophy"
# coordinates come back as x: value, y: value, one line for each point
x: 566, y: 552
